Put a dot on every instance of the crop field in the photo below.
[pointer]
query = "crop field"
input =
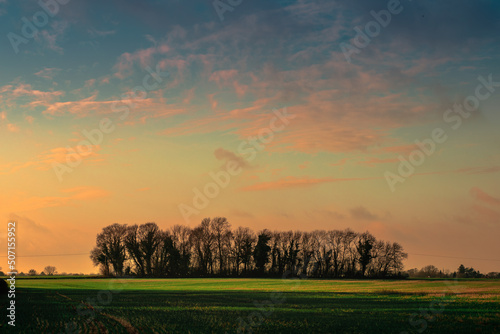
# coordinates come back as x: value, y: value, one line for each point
x: 256, y: 306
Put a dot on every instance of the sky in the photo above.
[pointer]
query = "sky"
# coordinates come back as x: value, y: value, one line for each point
x: 283, y: 114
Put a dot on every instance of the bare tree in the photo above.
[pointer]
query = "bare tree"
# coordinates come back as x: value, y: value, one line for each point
x: 221, y: 231
x: 142, y: 242
x: 180, y: 237
x: 213, y: 248
x: 203, y: 241
x: 244, y: 240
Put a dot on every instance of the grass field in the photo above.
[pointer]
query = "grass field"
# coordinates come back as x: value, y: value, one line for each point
x: 256, y: 305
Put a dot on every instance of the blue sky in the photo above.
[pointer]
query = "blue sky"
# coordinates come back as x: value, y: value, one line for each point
x: 353, y: 120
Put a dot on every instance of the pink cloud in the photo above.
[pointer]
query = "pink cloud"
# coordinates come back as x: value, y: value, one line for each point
x: 45, y: 160
x: 22, y: 202
x: 223, y: 77
x: 48, y: 73
x: 293, y: 182
x: 374, y: 161
x: 126, y: 61
x: 483, y: 197
x: 27, y: 90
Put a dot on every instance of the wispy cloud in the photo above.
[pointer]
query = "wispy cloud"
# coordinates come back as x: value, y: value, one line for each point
x: 225, y: 155
x: 144, y: 57
x: 48, y: 73
x: 362, y: 213
x: 483, y: 197
x: 294, y: 182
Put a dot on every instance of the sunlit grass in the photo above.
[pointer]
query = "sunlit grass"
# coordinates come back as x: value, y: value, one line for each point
x: 220, y: 305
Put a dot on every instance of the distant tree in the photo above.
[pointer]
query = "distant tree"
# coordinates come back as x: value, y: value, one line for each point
x: 430, y: 271
x: 50, y: 270
x: 466, y: 272
x: 461, y: 270
x: 412, y: 272
x: 32, y: 272
x: 261, y: 251
x: 493, y: 274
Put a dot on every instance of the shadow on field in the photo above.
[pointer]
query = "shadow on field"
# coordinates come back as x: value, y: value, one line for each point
x: 150, y: 311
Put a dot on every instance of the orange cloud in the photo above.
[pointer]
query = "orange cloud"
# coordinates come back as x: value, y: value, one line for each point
x: 18, y: 202
x: 45, y: 160
x: 13, y: 128
x: 86, y: 193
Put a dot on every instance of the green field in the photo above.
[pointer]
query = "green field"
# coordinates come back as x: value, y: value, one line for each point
x: 255, y: 305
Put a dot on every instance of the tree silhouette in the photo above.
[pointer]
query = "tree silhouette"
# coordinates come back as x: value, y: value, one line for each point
x: 261, y: 251
x: 50, y: 270
x: 212, y: 248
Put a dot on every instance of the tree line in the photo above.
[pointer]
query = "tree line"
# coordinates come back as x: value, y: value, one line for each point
x: 431, y: 271
x: 214, y: 249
